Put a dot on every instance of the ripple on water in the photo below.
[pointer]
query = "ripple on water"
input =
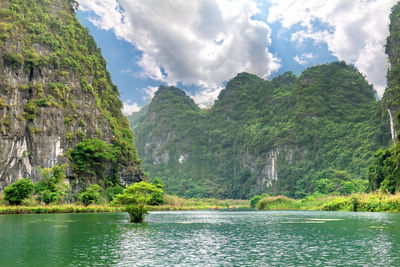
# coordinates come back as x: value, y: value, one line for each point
x: 204, y: 238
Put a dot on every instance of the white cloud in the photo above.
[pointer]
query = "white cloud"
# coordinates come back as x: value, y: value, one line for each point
x: 207, y: 97
x: 358, y: 30
x: 200, y: 42
x: 130, y: 107
x: 304, y: 59
x: 149, y: 92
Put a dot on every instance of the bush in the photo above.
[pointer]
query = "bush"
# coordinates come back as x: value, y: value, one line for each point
x: 278, y: 201
x: 337, y: 204
x: 254, y: 200
x: 52, y: 188
x: 156, y: 198
x: 91, y: 157
x: 18, y: 191
x: 48, y: 197
x: 90, y: 195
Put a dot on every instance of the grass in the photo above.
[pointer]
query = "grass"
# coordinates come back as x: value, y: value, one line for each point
x: 32, y: 206
x: 178, y: 203
x: 372, y: 202
x: 70, y: 208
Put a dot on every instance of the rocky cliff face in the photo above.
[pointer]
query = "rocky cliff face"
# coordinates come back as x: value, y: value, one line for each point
x: 275, y: 136
x: 392, y: 92
x: 55, y: 92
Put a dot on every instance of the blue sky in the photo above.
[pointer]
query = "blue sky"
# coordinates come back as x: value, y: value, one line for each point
x: 200, y: 45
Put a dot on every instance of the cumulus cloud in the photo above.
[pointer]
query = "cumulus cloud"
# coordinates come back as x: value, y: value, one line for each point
x: 206, y: 98
x: 356, y: 33
x: 304, y: 58
x: 149, y: 92
x: 200, y: 42
x: 130, y: 107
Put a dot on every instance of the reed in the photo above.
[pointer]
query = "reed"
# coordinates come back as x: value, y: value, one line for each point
x: 372, y: 202
x: 40, y: 209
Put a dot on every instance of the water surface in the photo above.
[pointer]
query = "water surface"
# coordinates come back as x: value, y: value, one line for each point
x: 212, y: 238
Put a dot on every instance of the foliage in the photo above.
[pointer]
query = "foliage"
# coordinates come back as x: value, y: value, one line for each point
x: 90, y: 195
x: 373, y: 202
x: 392, y: 91
x: 52, y: 188
x: 156, y: 198
x: 384, y: 173
x: 91, y: 157
x: 112, y: 191
x: 265, y: 203
x: 327, y: 119
x: 333, y: 182
x: 16, y: 192
x: 56, y: 209
x: 134, y: 197
x: 254, y: 200
x: 39, y: 38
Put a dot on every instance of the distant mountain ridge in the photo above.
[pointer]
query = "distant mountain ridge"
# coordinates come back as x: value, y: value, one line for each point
x: 280, y: 136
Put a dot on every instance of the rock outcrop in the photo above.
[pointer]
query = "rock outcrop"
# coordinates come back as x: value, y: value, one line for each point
x: 275, y: 136
x: 55, y: 92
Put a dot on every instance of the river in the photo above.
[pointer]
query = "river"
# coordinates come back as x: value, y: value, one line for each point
x: 202, y: 238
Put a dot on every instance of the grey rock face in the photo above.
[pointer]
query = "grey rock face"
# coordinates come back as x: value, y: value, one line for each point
x: 40, y: 137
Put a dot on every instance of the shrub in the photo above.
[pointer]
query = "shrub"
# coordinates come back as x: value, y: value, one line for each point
x: 90, y: 195
x: 90, y: 157
x: 13, y: 59
x: 156, y: 198
x: 280, y: 201
x: 254, y: 200
x: 52, y: 188
x: 18, y: 191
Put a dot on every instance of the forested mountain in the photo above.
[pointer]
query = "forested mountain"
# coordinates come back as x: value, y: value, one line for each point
x: 384, y: 173
x: 291, y: 135
x: 57, y: 101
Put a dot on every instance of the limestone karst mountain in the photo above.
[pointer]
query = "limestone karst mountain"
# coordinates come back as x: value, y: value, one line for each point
x: 56, y: 92
x: 280, y: 136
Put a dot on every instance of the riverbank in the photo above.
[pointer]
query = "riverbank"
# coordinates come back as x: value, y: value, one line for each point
x: 374, y: 202
x: 171, y: 203
x: 70, y: 208
x: 178, y: 203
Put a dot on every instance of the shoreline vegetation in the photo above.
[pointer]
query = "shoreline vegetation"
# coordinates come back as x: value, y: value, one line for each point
x: 372, y: 202
x: 171, y: 203
x: 362, y: 202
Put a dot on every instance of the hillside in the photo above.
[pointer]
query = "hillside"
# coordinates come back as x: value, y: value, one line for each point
x: 281, y: 136
x: 57, y: 100
x: 384, y: 173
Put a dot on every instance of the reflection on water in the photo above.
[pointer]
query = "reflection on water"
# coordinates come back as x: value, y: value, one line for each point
x: 248, y: 238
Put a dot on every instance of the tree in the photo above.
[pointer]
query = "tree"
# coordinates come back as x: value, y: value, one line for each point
x: 18, y: 191
x: 90, y: 195
x: 375, y: 172
x: 91, y: 157
x: 134, y: 198
x: 156, y: 198
x: 52, y: 187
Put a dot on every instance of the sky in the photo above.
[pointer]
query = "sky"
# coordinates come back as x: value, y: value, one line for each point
x: 199, y: 45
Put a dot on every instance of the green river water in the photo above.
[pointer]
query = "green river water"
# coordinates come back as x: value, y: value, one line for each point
x: 202, y: 238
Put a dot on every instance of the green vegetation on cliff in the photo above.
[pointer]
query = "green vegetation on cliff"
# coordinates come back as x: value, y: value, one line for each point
x: 59, y: 68
x: 291, y: 135
x: 384, y: 172
x: 392, y: 91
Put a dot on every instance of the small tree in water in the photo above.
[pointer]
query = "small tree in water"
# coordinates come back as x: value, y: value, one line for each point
x: 134, y: 197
